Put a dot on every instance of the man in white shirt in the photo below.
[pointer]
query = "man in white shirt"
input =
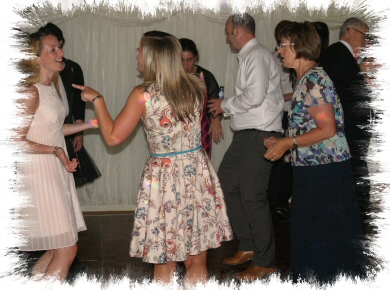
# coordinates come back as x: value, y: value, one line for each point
x: 256, y: 112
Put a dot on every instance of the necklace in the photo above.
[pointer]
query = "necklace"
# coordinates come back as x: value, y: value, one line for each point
x: 307, y: 69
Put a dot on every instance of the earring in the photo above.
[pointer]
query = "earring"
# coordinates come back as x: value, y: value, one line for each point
x: 38, y: 66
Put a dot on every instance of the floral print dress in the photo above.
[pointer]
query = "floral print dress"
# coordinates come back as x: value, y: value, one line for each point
x: 180, y: 208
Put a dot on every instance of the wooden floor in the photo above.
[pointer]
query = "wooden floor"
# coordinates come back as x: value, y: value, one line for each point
x: 104, y: 247
x: 104, y: 251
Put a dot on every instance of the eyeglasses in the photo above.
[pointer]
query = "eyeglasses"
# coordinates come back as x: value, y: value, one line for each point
x: 366, y: 35
x: 283, y: 45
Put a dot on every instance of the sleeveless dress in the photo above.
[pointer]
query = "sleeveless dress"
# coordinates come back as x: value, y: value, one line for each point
x: 180, y: 208
x: 52, y: 216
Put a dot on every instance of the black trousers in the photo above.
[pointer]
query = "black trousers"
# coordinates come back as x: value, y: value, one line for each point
x: 357, y: 122
x: 244, y: 174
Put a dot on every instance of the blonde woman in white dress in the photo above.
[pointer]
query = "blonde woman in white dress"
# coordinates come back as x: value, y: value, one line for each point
x: 52, y: 218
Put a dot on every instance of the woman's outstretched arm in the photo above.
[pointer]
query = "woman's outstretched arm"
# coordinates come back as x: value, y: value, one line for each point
x: 116, y: 131
x: 70, y: 129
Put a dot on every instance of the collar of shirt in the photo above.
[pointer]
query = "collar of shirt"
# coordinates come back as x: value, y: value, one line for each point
x: 246, y: 47
x: 348, y: 46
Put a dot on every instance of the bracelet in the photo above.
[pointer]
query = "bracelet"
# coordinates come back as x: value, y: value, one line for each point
x: 93, y: 123
x: 97, y: 97
x: 295, y: 142
x: 55, y: 150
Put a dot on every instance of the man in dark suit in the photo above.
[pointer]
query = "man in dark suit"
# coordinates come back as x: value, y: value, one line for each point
x: 339, y: 62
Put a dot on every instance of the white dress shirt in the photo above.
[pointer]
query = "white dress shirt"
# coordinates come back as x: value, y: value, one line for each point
x: 348, y: 46
x: 258, y: 101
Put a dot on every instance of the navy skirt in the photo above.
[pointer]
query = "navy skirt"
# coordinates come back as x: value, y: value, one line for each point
x: 325, y: 225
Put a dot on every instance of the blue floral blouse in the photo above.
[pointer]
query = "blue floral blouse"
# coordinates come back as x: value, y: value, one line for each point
x: 315, y: 89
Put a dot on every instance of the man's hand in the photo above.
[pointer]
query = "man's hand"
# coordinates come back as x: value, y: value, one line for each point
x: 215, y: 107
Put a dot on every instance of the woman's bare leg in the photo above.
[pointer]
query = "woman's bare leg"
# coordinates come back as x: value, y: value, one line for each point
x: 196, y: 269
x: 60, y: 263
x: 163, y: 273
x: 40, y: 266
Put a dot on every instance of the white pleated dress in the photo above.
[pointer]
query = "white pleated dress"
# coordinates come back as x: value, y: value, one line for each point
x: 52, y: 218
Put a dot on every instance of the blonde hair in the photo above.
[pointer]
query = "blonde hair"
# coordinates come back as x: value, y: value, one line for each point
x: 161, y: 54
x: 33, y: 49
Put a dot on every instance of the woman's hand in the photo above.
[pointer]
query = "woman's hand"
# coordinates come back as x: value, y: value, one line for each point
x: 277, y: 147
x: 70, y: 165
x: 87, y: 93
x: 216, y: 129
x: 268, y: 142
x: 78, y: 142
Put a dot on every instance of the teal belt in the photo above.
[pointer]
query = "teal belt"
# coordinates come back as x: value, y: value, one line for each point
x: 175, y: 153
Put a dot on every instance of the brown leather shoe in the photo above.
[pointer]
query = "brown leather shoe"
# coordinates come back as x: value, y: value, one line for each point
x: 253, y: 273
x: 239, y: 258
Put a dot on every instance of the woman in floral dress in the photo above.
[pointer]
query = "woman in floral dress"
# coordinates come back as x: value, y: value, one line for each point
x: 180, y: 210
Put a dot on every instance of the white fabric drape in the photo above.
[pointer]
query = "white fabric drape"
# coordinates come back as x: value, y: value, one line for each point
x: 103, y: 42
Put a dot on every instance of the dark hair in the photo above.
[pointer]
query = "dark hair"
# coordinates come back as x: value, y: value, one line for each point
x: 306, y: 41
x: 156, y: 34
x: 279, y: 28
x: 54, y: 30
x: 188, y: 45
x: 245, y: 21
x: 323, y: 31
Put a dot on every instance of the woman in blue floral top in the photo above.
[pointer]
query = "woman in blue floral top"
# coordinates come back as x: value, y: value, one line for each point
x: 325, y: 225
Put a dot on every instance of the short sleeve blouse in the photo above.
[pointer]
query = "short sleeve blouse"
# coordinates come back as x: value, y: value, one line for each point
x: 316, y: 89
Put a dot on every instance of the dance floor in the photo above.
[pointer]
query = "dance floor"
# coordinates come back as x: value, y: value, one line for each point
x: 104, y: 247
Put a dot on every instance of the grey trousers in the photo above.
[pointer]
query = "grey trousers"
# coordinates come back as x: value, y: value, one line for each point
x: 244, y: 174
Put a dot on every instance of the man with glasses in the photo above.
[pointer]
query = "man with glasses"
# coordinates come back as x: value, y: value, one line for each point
x: 340, y: 62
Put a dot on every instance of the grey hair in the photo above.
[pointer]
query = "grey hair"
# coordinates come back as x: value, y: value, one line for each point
x: 245, y: 21
x: 352, y: 22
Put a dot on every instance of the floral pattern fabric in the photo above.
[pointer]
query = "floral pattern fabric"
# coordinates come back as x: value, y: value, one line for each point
x: 316, y: 89
x: 180, y: 208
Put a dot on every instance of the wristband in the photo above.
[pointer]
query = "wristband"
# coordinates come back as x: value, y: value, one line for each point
x: 97, y: 97
x: 55, y: 150
x: 295, y: 142
x: 93, y: 123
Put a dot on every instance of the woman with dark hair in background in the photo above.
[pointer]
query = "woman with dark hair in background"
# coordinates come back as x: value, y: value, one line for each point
x: 323, y: 32
x: 53, y: 216
x: 180, y: 210
x: 211, y: 126
x: 325, y: 225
